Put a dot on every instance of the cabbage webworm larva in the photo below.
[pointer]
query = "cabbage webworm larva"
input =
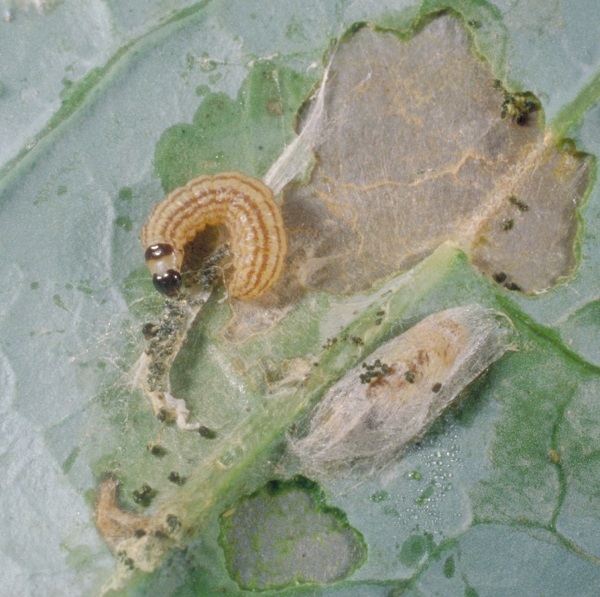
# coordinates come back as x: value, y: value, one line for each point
x: 244, y: 206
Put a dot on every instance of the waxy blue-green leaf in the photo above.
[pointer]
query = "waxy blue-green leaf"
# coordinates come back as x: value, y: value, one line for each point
x: 89, y: 92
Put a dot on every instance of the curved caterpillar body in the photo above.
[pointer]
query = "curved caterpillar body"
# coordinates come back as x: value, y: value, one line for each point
x: 244, y: 205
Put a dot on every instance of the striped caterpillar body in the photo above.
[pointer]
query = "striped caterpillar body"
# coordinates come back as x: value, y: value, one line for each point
x: 244, y: 205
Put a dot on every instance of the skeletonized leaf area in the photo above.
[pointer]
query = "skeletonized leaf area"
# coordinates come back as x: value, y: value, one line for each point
x: 419, y: 145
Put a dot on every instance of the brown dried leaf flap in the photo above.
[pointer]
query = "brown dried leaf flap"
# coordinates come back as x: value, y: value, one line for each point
x: 415, y: 152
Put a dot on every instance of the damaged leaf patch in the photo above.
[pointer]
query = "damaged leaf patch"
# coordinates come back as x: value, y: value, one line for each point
x: 420, y: 145
x: 285, y: 534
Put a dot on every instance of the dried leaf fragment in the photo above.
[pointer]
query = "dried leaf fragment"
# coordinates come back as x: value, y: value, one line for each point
x: 140, y: 541
x: 366, y: 419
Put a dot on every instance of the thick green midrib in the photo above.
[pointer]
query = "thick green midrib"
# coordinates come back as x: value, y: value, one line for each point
x: 546, y: 334
x: 572, y: 114
x: 82, y: 92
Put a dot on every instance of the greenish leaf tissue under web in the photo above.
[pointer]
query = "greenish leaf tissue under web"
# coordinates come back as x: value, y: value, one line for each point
x: 392, y: 416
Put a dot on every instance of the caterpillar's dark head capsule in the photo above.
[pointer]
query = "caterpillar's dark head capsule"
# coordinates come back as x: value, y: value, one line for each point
x: 167, y: 283
x: 158, y: 251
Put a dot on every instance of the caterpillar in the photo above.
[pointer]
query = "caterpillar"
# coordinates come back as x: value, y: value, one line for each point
x: 244, y: 206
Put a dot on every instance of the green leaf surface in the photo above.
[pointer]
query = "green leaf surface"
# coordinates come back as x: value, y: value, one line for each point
x: 106, y: 106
